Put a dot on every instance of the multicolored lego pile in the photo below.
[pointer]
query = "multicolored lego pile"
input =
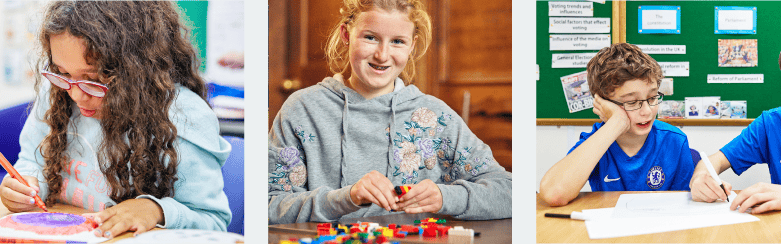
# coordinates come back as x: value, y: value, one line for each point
x: 366, y: 232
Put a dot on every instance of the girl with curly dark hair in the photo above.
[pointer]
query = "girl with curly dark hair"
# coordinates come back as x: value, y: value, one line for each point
x: 120, y: 120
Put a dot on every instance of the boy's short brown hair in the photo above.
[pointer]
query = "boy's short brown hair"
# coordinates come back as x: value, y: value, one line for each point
x: 619, y: 63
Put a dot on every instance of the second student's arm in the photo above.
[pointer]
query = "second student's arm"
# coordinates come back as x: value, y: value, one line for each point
x: 703, y: 186
x: 563, y: 181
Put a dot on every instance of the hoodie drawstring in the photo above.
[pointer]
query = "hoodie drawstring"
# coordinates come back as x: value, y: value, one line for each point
x: 391, y: 153
x: 344, y: 137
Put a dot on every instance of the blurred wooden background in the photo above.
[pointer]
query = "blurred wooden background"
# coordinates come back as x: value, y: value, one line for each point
x: 471, y: 51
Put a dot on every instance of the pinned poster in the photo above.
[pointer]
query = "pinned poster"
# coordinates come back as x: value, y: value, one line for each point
x: 579, y: 9
x: 680, y: 69
x: 659, y: 20
x: 571, y: 60
x: 578, y: 42
x: 663, y: 49
x: 738, y: 52
x: 735, y: 20
x: 576, y: 92
x: 579, y: 25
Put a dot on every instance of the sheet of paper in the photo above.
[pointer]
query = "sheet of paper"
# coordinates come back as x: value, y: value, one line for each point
x: 184, y: 236
x: 666, y: 204
x: 671, y: 213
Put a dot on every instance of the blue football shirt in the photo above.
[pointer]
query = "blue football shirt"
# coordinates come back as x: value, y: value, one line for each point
x: 758, y: 144
x: 664, y: 163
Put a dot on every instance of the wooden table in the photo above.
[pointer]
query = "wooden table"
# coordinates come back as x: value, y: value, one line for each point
x: 491, y: 231
x: 62, y: 208
x: 766, y: 230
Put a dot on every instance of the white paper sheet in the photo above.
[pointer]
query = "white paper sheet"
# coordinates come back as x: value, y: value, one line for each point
x: 672, y: 213
x: 184, y: 236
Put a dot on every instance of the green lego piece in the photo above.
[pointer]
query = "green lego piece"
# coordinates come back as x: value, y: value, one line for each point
x: 440, y: 221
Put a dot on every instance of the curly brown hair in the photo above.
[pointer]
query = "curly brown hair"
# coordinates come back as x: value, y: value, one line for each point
x: 336, y: 50
x: 619, y: 63
x: 140, y: 50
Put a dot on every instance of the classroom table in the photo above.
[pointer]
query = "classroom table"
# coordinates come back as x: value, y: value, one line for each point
x: 558, y: 230
x: 491, y: 231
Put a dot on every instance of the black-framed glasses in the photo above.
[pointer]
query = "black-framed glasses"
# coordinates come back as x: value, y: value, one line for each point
x: 637, y: 104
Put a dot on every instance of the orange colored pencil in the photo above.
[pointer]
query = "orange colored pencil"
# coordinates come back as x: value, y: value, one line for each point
x: 14, y: 174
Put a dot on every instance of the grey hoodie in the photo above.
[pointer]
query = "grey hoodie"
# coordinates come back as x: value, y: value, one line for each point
x: 327, y: 136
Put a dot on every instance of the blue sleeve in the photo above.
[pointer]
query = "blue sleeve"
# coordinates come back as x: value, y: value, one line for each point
x: 749, y: 148
x: 199, y: 201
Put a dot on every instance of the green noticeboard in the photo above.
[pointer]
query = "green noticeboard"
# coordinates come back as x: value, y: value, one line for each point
x: 193, y: 13
x: 697, y: 34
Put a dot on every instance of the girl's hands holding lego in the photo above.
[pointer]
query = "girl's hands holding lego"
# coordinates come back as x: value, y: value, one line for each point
x: 761, y: 196
x: 423, y: 197
x: 139, y: 215
x: 607, y: 110
x: 375, y: 188
x: 18, y: 197
x: 704, y: 187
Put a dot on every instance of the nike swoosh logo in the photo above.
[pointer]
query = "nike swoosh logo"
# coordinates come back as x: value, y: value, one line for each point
x: 611, y: 180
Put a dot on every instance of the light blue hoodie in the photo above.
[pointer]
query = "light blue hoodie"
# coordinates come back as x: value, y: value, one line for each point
x: 199, y: 201
x: 326, y: 137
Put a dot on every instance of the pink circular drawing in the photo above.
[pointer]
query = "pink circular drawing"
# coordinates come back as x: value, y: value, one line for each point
x: 48, y: 223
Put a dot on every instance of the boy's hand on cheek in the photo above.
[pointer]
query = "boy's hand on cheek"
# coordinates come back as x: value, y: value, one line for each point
x: 607, y: 110
x: 139, y: 215
x: 423, y: 197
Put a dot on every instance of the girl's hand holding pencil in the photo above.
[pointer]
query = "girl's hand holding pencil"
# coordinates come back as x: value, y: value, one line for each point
x: 137, y: 215
x: 18, y: 197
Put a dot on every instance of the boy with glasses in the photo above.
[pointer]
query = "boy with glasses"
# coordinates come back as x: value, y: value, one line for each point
x: 629, y: 150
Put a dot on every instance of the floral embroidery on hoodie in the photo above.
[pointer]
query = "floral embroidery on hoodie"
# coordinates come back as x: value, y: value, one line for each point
x: 420, y: 149
x: 291, y: 170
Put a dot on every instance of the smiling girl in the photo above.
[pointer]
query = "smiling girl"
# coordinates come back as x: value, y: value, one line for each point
x: 120, y: 125
x: 337, y: 149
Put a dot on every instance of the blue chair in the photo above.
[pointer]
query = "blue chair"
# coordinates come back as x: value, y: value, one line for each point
x: 11, y: 123
x: 233, y: 175
x: 695, y: 156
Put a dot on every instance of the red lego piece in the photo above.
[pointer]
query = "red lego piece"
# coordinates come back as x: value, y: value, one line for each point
x: 323, y: 231
x: 430, y: 232
x: 409, y: 229
x: 382, y: 239
x: 443, y: 230
x: 324, y: 225
x: 399, y: 235
x: 354, y: 230
x: 392, y: 226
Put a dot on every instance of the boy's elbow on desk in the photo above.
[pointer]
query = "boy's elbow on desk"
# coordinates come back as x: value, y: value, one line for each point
x: 554, y: 197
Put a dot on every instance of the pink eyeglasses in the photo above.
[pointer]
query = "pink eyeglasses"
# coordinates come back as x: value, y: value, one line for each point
x: 90, y: 87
